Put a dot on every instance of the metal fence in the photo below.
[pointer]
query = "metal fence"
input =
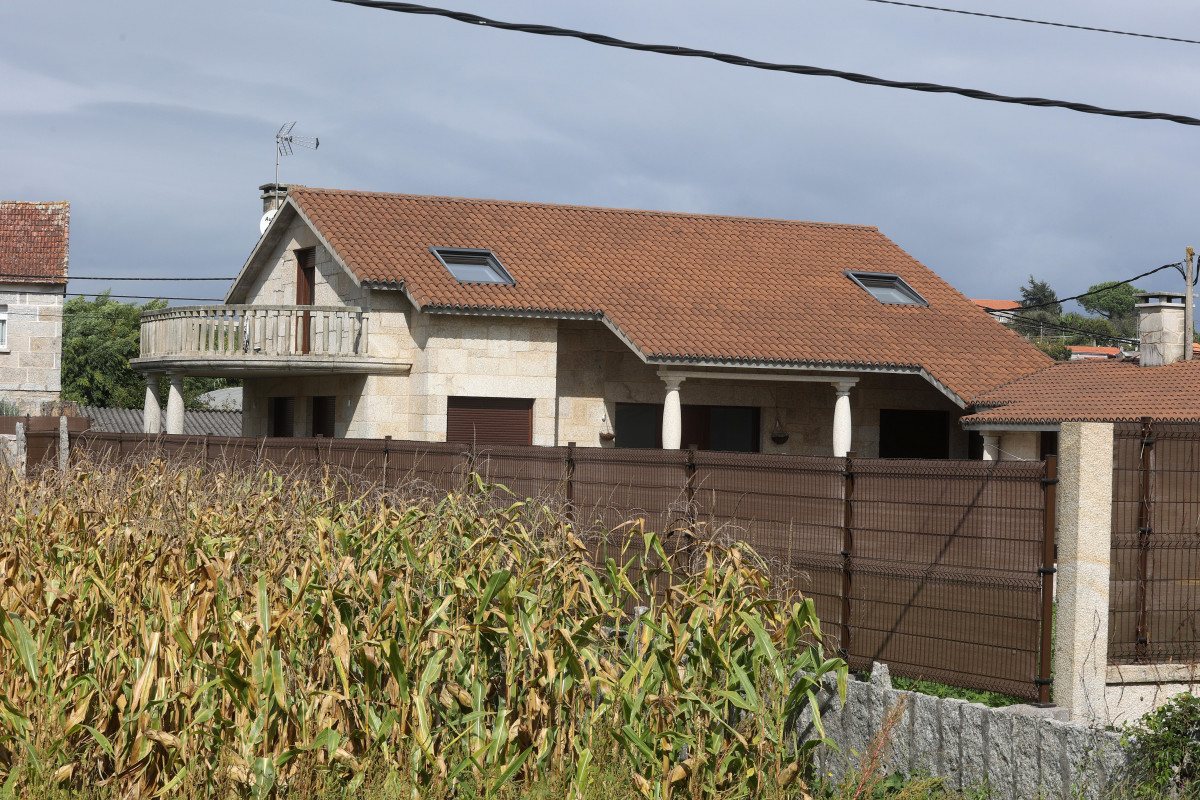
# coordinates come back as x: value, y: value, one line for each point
x: 1153, y: 610
x: 938, y: 568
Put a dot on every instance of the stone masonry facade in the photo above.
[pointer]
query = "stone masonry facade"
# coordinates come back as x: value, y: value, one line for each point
x: 31, y: 364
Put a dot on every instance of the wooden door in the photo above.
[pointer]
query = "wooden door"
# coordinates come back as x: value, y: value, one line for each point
x: 305, y: 279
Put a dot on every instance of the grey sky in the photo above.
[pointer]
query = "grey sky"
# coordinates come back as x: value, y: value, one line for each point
x: 156, y: 120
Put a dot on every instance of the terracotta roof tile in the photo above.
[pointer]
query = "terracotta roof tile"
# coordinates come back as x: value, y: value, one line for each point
x: 681, y: 286
x: 1095, y: 391
x: 998, y: 305
x: 34, y: 242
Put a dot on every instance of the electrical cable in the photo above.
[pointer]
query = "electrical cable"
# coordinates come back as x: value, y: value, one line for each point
x: 798, y: 69
x: 143, y: 297
x: 1062, y: 300
x: 99, y: 278
x: 1035, y: 21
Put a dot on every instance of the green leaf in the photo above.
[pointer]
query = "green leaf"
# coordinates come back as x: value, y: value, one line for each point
x: 18, y: 636
x: 510, y: 769
x: 495, y: 583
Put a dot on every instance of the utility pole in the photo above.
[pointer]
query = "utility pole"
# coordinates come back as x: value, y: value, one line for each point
x: 1188, y: 323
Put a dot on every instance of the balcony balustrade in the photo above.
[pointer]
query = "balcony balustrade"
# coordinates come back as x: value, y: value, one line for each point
x: 246, y: 332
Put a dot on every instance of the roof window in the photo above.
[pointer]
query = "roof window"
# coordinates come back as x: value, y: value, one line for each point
x: 473, y: 266
x: 887, y: 288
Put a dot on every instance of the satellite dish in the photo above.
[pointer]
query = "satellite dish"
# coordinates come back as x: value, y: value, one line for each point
x: 266, y: 220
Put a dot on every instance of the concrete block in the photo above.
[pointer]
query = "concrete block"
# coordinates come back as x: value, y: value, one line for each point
x: 951, y: 736
x: 1026, y: 737
x: 1081, y: 762
x: 1000, y: 759
x: 1053, y: 760
x: 973, y: 741
x: 926, y: 750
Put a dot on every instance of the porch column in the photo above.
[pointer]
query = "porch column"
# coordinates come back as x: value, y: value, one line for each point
x: 152, y: 412
x: 991, y: 447
x: 841, y: 418
x: 672, y: 426
x: 175, y: 404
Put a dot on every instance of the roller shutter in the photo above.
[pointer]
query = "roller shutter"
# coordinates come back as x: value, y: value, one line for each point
x: 489, y: 420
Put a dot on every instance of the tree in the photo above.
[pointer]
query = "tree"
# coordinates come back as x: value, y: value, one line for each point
x: 1038, y: 293
x: 1093, y: 330
x: 99, y: 338
x: 1116, y: 305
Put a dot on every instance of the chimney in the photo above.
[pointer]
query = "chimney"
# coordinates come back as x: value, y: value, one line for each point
x: 1160, y: 328
x: 272, y: 195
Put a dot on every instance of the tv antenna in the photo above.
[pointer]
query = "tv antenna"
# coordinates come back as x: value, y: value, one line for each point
x: 284, y: 139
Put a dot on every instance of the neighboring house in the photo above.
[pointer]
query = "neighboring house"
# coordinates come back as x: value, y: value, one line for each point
x: 1004, y: 311
x: 33, y: 278
x: 195, y: 423
x: 1021, y: 419
x: 434, y: 319
x: 1089, y: 353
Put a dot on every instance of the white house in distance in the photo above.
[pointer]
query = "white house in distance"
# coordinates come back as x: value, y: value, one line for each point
x: 34, y: 245
x: 362, y: 314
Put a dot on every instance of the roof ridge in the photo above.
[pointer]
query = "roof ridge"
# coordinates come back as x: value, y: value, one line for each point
x: 577, y: 207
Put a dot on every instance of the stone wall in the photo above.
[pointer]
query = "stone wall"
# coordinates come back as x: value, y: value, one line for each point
x: 596, y: 371
x: 275, y: 283
x: 31, y: 366
x: 1018, y: 751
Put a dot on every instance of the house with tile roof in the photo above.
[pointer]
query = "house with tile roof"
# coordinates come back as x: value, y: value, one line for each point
x: 34, y: 239
x: 1020, y: 419
x: 363, y: 314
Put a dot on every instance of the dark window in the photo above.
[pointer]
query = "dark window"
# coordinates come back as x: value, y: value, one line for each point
x: 638, y: 425
x: 489, y: 420
x: 323, y: 411
x: 306, y: 277
x: 1049, y: 444
x: 914, y: 434
x: 282, y: 412
x: 733, y: 428
x: 473, y: 266
x: 887, y: 288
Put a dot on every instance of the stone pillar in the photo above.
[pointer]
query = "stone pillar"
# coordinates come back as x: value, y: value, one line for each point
x: 175, y: 404
x: 1085, y: 458
x: 672, y: 423
x: 64, y: 444
x: 151, y: 412
x: 991, y: 447
x: 841, y: 419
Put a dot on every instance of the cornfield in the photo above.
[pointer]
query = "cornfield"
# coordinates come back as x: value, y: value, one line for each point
x: 202, y: 630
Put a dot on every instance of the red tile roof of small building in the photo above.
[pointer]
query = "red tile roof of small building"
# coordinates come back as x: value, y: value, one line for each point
x: 998, y: 305
x: 1089, y: 350
x: 680, y: 287
x: 34, y: 242
x: 1094, y: 391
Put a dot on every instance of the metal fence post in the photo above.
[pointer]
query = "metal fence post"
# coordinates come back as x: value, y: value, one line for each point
x: 1047, y: 570
x: 386, y: 440
x: 690, y: 489
x: 1145, y: 529
x: 570, y: 487
x: 847, y: 550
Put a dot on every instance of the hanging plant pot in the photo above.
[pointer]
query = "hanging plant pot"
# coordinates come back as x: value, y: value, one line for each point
x: 779, y: 437
x: 607, y: 436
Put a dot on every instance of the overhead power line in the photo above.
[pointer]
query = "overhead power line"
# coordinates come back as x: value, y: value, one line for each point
x: 101, y: 278
x: 144, y: 297
x: 1035, y: 21
x: 1176, y: 265
x: 798, y: 69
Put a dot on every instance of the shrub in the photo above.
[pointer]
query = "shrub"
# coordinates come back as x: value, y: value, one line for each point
x: 1165, y: 750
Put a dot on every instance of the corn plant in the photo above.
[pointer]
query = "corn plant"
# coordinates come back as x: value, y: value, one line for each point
x: 172, y: 628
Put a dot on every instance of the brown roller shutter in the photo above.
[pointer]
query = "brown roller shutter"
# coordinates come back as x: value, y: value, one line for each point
x: 283, y: 416
x: 489, y: 420
x: 323, y: 409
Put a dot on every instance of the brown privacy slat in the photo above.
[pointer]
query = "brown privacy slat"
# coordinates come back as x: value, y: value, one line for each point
x: 945, y: 553
x: 1154, y: 613
x: 489, y: 420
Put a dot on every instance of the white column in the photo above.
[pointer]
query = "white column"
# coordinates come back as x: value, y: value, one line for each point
x: 672, y: 426
x: 152, y: 412
x: 841, y: 418
x: 175, y: 404
x: 991, y: 447
x: 1085, y: 458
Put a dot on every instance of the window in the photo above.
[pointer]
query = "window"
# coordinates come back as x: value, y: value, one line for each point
x: 730, y: 428
x: 914, y: 434
x: 323, y: 411
x: 473, y: 266
x: 489, y: 420
x: 3, y: 327
x: 887, y: 288
x: 282, y: 412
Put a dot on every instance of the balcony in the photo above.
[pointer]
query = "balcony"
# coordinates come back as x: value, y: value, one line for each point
x: 258, y: 340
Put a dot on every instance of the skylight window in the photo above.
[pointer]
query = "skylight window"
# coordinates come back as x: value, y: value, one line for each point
x: 473, y: 266
x: 887, y: 288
